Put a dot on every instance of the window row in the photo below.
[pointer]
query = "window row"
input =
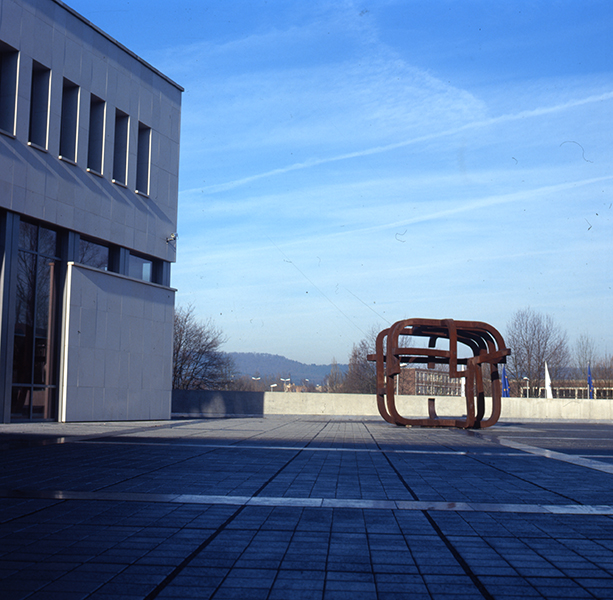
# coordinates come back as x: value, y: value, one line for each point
x: 38, y: 131
x: 103, y: 257
x: 40, y: 239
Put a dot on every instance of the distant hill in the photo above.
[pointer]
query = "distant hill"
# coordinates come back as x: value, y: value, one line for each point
x: 250, y: 363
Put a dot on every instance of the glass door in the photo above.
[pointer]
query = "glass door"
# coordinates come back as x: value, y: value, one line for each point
x: 34, y: 393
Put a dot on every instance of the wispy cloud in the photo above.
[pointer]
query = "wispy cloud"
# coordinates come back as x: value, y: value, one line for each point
x: 355, y: 187
x: 507, y: 118
x: 340, y: 167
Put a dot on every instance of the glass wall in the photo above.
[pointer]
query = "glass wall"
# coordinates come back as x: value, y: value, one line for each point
x: 34, y: 392
x: 93, y: 254
x: 140, y: 267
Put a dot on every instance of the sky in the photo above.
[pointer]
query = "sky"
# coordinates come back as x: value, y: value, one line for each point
x: 345, y: 165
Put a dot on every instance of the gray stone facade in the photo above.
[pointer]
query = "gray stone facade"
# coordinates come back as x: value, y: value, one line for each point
x: 89, y: 160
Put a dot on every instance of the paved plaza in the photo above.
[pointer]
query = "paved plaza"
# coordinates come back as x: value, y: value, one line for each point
x: 305, y: 508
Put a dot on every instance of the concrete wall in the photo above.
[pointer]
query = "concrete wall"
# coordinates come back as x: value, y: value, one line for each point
x: 207, y: 403
x: 116, y: 356
x: 557, y: 409
x: 222, y: 404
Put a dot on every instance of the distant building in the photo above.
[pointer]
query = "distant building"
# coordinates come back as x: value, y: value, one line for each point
x: 573, y: 389
x: 426, y: 382
x: 89, y: 155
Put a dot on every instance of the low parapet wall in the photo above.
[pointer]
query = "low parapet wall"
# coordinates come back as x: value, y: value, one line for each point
x: 206, y: 403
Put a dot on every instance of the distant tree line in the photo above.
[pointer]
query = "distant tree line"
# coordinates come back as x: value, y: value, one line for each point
x: 360, y: 377
x: 534, y: 339
x: 280, y: 382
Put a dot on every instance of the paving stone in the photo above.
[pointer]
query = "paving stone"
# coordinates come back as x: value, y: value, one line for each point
x: 295, y: 594
x: 59, y: 595
x: 178, y: 591
x: 122, y: 546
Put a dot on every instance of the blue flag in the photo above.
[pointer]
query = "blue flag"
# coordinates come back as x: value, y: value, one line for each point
x: 590, y: 383
x: 505, y: 383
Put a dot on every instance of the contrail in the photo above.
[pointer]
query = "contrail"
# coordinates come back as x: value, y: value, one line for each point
x: 314, y: 162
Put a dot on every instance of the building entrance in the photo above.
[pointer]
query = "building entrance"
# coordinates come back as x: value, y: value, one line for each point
x: 34, y: 392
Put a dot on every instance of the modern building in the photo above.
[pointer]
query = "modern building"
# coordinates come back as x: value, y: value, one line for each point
x: 426, y: 382
x: 89, y: 156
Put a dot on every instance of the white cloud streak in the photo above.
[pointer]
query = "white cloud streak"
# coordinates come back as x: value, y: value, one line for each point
x: 314, y: 162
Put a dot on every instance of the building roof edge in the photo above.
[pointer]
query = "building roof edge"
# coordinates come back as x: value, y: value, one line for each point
x: 118, y: 44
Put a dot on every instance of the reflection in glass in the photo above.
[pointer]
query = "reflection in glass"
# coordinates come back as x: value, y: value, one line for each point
x: 43, y: 342
x: 24, y: 318
x: 34, y: 343
x: 93, y: 255
x: 20, y: 402
x: 28, y: 236
x: 140, y: 268
x: 39, y: 403
x: 47, y: 244
x: 43, y: 403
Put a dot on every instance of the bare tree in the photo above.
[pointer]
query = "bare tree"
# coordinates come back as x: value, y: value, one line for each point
x: 198, y: 363
x: 602, y: 372
x: 584, y: 355
x: 242, y: 383
x: 534, y: 339
x: 361, y: 377
x: 333, y: 382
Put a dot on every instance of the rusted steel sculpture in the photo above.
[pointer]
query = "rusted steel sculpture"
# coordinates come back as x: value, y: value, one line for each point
x: 486, y: 344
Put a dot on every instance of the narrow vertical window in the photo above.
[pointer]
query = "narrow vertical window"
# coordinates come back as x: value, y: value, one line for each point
x: 39, y: 105
x: 95, y: 148
x: 143, y: 159
x: 70, y: 121
x: 120, y: 152
x: 8, y: 88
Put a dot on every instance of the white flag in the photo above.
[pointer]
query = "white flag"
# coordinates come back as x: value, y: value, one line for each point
x: 548, y: 392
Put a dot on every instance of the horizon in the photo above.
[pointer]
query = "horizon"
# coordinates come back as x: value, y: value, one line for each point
x: 568, y: 370
x: 347, y: 166
x: 285, y: 357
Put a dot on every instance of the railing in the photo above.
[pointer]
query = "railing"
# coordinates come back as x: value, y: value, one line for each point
x: 574, y: 393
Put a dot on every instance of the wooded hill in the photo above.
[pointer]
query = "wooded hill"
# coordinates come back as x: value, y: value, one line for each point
x: 256, y: 364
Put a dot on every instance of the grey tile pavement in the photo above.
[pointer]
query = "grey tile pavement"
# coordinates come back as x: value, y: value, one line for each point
x: 305, y: 507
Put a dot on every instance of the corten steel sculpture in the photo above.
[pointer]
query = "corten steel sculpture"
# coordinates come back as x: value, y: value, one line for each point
x: 486, y: 344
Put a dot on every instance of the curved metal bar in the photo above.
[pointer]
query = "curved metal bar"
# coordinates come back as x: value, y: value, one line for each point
x: 379, y: 358
x: 483, y: 340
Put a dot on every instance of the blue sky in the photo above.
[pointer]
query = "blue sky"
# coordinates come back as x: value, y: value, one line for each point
x: 348, y: 164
